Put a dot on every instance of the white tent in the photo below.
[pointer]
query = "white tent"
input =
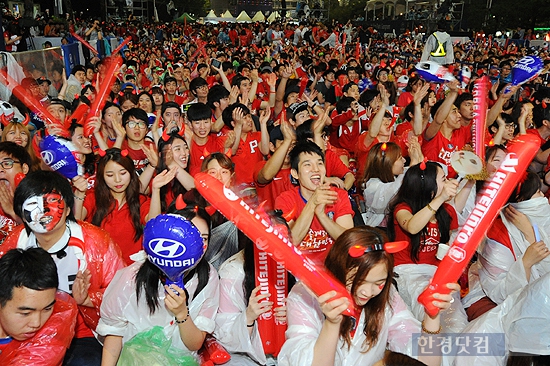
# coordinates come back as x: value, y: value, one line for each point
x: 211, y: 14
x: 243, y: 17
x: 273, y: 16
x: 258, y: 17
x: 227, y: 14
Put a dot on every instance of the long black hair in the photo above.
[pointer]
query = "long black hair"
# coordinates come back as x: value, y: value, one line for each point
x: 149, y: 275
x: 175, y: 186
x: 419, y: 187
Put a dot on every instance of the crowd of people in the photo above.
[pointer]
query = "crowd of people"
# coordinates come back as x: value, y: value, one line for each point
x: 332, y: 131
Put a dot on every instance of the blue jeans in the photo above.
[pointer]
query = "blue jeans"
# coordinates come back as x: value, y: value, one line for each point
x: 83, y: 352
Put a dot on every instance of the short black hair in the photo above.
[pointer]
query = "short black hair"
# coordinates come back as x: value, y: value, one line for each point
x: 198, y: 112
x: 17, y: 152
x: 78, y: 68
x: 227, y: 114
x: 215, y: 94
x: 197, y: 83
x: 304, y: 147
x: 137, y: 113
x: 167, y: 105
x: 33, y: 268
x: 463, y: 98
x: 39, y: 183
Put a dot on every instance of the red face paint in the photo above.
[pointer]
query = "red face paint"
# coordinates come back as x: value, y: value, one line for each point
x: 43, y: 213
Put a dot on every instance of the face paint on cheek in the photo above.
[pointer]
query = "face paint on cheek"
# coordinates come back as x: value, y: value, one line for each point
x: 381, y: 287
x: 43, y: 213
x: 54, y: 207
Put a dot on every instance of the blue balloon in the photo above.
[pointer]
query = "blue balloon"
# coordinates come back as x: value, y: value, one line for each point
x: 57, y: 153
x: 525, y: 69
x: 174, y: 245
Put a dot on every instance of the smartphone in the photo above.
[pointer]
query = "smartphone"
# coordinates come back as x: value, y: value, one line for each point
x: 216, y: 63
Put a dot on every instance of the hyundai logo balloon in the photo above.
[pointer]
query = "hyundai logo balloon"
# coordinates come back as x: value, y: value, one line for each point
x: 174, y: 245
x: 58, y: 154
x: 433, y: 72
x: 526, y: 69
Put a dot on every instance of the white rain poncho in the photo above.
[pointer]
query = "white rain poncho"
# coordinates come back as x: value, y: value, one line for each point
x: 231, y: 330
x: 305, y: 320
x: 502, y: 271
x: 412, y: 280
x: 123, y: 315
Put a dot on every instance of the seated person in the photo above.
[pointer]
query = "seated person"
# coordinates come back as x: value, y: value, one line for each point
x: 317, y: 213
x: 36, y: 323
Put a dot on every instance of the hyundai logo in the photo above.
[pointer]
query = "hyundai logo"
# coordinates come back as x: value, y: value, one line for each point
x: 166, y: 248
x: 47, y: 157
x: 526, y: 61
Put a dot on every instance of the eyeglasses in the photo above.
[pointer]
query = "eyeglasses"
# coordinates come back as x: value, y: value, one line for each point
x: 134, y: 124
x: 8, y: 164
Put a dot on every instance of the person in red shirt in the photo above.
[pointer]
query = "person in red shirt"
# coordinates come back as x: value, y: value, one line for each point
x: 36, y: 322
x: 116, y: 204
x: 420, y: 214
x: 202, y: 142
x: 272, y: 177
x: 317, y: 213
x: 446, y: 134
x: 541, y: 119
x: 247, y: 147
x: 86, y: 257
x: 134, y: 122
x: 170, y: 87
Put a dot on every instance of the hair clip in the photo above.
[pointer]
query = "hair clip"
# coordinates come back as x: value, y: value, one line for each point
x: 102, y: 152
x: 390, y: 247
x: 544, y: 105
x: 383, y: 148
x: 290, y: 215
x: 491, y: 143
x: 205, y: 152
x: 423, y: 165
x: 124, y: 152
x: 180, y: 203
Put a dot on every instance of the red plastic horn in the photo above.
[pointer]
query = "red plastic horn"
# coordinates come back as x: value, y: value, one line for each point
x: 391, y: 247
x: 228, y: 153
x: 165, y: 136
x: 124, y: 152
x: 27, y: 119
x: 290, y: 214
x: 101, y: 152
x: 180, y: 203
x: 4, y: 120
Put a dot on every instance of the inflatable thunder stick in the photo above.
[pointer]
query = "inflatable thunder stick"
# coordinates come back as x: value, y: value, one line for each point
x: 480, y: 116
x: 495, y: 192
x: 267, y: 238
x: 101, y: 97
x: 272, y: 278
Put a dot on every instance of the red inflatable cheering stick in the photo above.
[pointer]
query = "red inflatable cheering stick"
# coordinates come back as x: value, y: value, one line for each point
x: 269, y: 239
x: 491, y: 199
x: 272, y: 277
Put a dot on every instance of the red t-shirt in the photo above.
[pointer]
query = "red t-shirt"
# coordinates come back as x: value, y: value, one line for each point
x: 440, y: 149
x: 535, y: 132
x: 138, y: 156
x: 270, y: 191
x: 428, y: 246
x: 6, y: 225
x: 118, y: 223
x: 248, y: 154
x: 334, y: 166
x: 197, y: 152
x: 178, y: 99
x: 317, y: 242
x: 362, y: 151
x: 404, y: 99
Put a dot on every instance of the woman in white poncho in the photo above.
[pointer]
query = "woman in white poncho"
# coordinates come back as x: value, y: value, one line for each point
x: 318, y: 334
